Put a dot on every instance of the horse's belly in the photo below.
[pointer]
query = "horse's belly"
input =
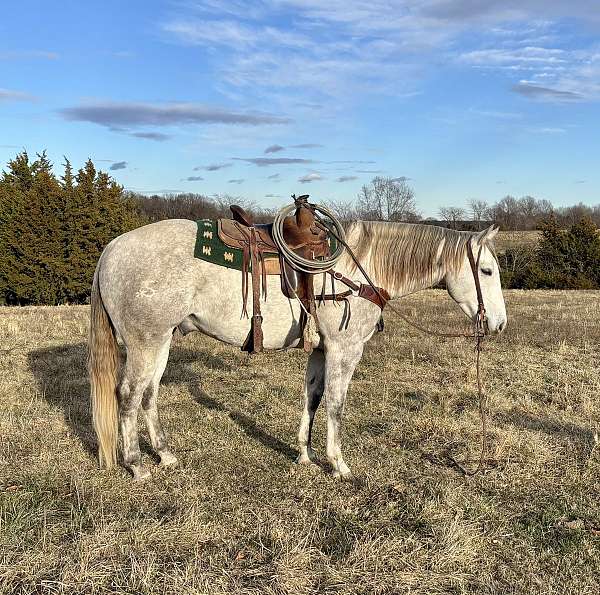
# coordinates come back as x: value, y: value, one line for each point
x: 219, y: 314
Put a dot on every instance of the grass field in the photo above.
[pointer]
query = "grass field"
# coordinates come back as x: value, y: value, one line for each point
x: 238, y: 516
x: 515, y: 239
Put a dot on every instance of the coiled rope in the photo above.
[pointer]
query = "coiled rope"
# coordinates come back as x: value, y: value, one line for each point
x: 307, y: 265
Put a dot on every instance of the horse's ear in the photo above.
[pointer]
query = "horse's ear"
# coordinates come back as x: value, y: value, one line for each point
x: 488, y: 234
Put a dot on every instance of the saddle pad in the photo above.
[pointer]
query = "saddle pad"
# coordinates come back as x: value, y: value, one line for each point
x: 209, y: 247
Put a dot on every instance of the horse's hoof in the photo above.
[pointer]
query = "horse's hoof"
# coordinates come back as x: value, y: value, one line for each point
x: 307, y: 458
x: 343, y: 475
x: 303, y: 460
x: 141, y: 474
x: 168, y: 460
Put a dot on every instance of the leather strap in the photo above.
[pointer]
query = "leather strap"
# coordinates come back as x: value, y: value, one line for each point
x: 254, y: 341
x: 379, y: 296
x: 480, y: 321
x: 257, y: 334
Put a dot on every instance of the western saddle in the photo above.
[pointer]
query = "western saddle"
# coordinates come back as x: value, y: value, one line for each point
x: 262, y: 257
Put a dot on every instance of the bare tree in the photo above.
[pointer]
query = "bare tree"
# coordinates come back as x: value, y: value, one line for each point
x: 531, y: 211
x: 479, y: 211
x: 345, y: 211
x: 568, y: 216
x: 522, y: 213
x: 506, y: 213
x: 387, y: 199
x: 517, y: 258
x: 452, y: 215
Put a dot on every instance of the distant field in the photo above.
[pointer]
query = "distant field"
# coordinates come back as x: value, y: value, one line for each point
x: 238, y: 516
x: 511, y: 239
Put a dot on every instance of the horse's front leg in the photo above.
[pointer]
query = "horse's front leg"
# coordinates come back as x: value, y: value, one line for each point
x: 340, y: 361
x: 313, y: 392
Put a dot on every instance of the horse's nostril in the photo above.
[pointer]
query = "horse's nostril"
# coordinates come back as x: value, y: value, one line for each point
x: 501, y: 326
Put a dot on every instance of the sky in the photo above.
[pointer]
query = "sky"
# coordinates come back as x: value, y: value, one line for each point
x: 461, y: 98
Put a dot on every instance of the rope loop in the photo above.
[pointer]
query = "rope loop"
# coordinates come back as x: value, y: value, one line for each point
x: 307, y: 265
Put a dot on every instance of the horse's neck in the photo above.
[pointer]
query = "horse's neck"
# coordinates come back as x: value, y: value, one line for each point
x: 347, y: 267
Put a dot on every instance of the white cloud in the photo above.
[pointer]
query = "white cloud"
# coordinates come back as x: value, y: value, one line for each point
x: 233, y: 34
x: 10, y: 95
x: 527, y: 57
x: 547, y: 130
x: 500, y: 115
x: 313, y: 177
x: 310, y: 51
x: 28, y: 54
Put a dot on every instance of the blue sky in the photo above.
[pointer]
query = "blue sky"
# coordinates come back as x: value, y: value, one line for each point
x: 466, y: 98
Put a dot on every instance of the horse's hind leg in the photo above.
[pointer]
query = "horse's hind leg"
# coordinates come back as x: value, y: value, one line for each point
x: 150, y: 408
x: 313, y: 392
x: 139, y: 372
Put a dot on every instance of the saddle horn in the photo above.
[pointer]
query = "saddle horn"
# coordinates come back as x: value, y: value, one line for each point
x: 305, y: 217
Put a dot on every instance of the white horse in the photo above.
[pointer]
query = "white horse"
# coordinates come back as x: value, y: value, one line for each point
x: 148, y: 283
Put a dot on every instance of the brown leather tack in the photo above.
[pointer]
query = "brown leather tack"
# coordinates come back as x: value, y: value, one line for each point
x: 256, y: 242
x: 379, y: 297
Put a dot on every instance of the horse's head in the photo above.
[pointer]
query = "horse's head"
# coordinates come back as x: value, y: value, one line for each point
x: 461, y: 283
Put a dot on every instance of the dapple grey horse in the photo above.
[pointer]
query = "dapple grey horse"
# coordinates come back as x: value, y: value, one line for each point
x: 148, y: 283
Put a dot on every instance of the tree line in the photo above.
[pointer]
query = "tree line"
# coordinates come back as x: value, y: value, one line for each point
x: 53, y: 228
x: 382, y: 199
x: 393, y: 199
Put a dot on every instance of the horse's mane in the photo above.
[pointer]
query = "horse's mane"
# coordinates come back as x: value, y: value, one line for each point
x: 405, y: 256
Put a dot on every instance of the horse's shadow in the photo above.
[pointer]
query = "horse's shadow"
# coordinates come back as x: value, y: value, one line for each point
x: 61, y: 377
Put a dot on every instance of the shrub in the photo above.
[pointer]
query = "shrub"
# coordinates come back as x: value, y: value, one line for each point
x: 563, y: 259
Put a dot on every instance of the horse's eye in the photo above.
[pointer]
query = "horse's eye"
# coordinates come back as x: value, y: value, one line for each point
x: 487, y: 272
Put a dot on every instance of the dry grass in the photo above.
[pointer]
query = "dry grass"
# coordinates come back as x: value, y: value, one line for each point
x: 514, y: 239
x: 239, y: 517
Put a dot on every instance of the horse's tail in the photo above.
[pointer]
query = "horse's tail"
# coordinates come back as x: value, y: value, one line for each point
x: 103, y: 363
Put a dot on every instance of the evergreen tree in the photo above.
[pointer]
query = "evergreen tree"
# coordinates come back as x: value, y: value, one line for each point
x: 99, y: 212
x: 565, y: 259
x: 32, y: 264
x: 52, y: 231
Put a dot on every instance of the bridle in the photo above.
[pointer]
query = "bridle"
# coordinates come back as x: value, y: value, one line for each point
x: 480, y: 320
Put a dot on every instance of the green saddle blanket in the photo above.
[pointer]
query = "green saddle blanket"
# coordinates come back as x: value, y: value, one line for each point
x: 209, y: 247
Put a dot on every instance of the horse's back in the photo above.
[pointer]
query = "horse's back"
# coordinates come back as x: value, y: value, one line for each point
x: 165, y: 239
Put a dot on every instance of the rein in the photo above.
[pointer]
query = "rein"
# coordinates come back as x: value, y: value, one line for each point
x: 479, y: 333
